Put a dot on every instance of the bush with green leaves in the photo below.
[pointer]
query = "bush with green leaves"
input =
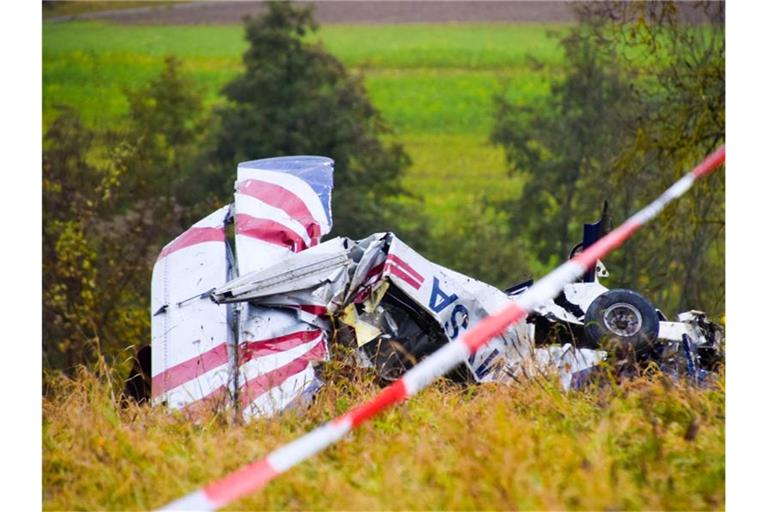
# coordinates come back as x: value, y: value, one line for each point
x: 110, y: 202
x: 641, y: 101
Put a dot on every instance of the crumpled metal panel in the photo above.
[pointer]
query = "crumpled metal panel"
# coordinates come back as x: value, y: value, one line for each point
x: 191, y: 338
x: 340, y: 273
x: 457, y: 302
x: 571, y: 364
x: 277, y: 352
x: 308, y: 269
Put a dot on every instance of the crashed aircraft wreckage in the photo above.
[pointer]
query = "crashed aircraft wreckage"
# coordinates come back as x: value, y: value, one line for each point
x: 248, y: 302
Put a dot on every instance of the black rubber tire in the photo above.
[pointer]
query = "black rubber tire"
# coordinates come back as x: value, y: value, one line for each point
x: 625, y: 310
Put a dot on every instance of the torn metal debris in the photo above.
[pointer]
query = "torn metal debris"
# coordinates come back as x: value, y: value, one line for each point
x: 245, y: 319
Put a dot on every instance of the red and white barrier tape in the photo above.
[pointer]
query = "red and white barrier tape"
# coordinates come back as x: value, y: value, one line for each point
x: 257, y: 474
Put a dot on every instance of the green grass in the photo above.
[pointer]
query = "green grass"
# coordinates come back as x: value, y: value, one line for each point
x: 447, y: 101
x: 432, y: 78
x: 424, y: 78
x: 434, y: 85
x: 460, y: 166
x: 466, y: 46
x: 462, y: 46
x: 649, y: 444
x: 72, y: 8
x: 94, y: 82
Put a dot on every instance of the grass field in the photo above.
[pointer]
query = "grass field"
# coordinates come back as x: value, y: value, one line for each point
x: 70, y: 8
x: 648, y: 444
x: 434, y: 84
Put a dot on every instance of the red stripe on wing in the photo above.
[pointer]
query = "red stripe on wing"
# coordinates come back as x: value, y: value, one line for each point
x: 282, y: 198
x: 182, y: 373
x: 376, y: 270
x: 256, y: 387
x: 269, y: 231
x: 393, y: 258
x: 315, y: 310
x: 254, y: 349
x: 373, y: 276
x: 397, y: 271
x: 193, y: 236
x: 218, y: 399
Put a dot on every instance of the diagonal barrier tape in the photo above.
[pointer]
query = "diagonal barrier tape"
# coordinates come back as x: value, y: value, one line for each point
x: 256, y: 475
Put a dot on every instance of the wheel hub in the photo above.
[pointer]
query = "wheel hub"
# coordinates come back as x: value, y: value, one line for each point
x: 623, y: 319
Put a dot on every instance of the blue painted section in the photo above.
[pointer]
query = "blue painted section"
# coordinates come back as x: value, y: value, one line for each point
x: 316, y: 171
x: 445, y: 299
x: 459, y: 312
x: 304, y: 399
x: 485, y: 366
x: 689, y: 350
x: 581, y: 378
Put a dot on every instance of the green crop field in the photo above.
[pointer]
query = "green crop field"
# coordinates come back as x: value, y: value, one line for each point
x: 434, y: 85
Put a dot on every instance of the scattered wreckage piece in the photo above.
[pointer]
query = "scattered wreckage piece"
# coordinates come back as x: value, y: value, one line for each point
x: 242, y: 316
x: 624, y: 323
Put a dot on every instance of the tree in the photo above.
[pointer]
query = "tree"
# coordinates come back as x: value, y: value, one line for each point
x: 295, y: 98
x: 159, y: 147
x: 558, y: 143
x: 111, y: 201
x: 680, y: 51
x: 75, y: 192
x: 641, y: 101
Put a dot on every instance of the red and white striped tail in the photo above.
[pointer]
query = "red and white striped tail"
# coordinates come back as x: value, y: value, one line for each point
x: 282, y: 206
x: 254, y: 476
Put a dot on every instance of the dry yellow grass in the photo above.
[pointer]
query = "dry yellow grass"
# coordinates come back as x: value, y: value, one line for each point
x: 647, y: 444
